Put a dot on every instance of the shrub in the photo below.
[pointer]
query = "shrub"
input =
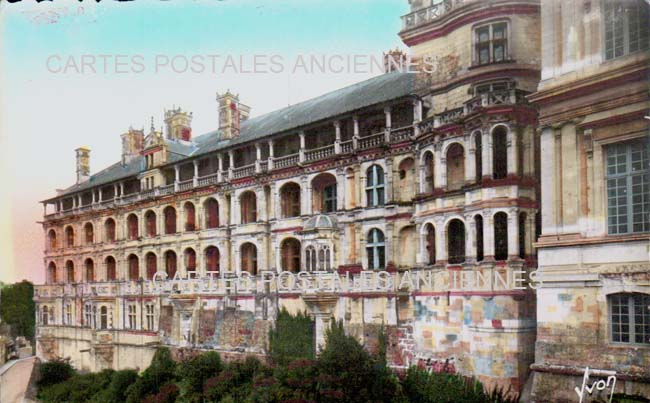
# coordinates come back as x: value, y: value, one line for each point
x: 292, y: 338
x: 195, y: 371
x: 348, y: 372
x: 78, y: 389
x: 160, y: 372
x: 115, y: 392
x: 167, y: 394
x: 53, y: 372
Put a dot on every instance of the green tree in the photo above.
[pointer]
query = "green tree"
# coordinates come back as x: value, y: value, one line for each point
x: 115, y: 392
x: 53, y: 372
x: 195, y: 371
x: 349, y: 373
x: 292, y: 338
x: 161, y: 371
x: 17, y: 308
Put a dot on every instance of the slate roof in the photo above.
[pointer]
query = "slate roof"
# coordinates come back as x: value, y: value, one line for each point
x: 374, y: 91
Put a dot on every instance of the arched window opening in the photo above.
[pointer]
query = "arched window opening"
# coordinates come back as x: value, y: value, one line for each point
x: 455, y: 167
x: 51, y: 273
x: 211, y: 213
x: 152, y: 265
x: 111, y: 274
x: 290, y: 251
x: 109, y: 228
x: 170, y: 220
x: 500, y: 152
x: 522, y: 235
x: 170, y: 264
x: 290, y: 200
x: 190, y: 216
x: 324, y: 193
x: 190, y: 260
x: 501, y: 236
x: 134, y: 267
x: 456, y: 241
x: 51, y: 239
x: 375, y: 192
x: 150, y: 222
x: 478, y: 222
x: 69, y: 270
x: 375, y: 250
x: 431, y: 243
x: 89, y: 233
x: 69, y: 237
x: 248, y: 202
x: 212, y: 259
x: 249, y: 258
x: 103, y: 318
x: 45, y: 316
x: 478, y: 145
x: 630, y: 318
x: 310, y: 258
x: 132, y: 224
x: 90, y: 271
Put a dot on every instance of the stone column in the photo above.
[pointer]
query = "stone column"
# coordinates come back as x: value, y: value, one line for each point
x: 271, y: 156
x: 258, y: 158
x: 231, y: 163
x: 301, y: 155
x: 486, y: 146
x: 340, y: 189
x: 387, y: 113
x: 234, y: 210
x: 549, y: 200
x: 513, y: 234
x: 261, y: 204
x: 177, y: 177
x: 195, y: 179
x: 441, y: 241
x: 513, y: 150
x: 355, y: 136
x: 470, y: 239
x: 470, y: 160
x: 417, y: 116
x: 440, y: 168
x: 121, y: 189
x: 337, y: 141
x: 421, y: 258
x: 388, y: 180
x: 488, y: 235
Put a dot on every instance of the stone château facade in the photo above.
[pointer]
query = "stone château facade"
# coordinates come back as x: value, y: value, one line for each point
x: 409, y: 202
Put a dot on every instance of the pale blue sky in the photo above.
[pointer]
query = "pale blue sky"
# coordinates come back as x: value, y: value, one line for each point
x: 44, y: 116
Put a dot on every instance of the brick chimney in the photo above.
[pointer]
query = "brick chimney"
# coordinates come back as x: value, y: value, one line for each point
x: 83, y: 164
x: 231, y: 114
x: 132, y: 145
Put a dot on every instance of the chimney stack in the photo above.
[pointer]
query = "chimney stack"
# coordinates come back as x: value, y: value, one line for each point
x: 83, y: 164
x: 231, y: 114
x: 179, y: 124
x: 132, y: 145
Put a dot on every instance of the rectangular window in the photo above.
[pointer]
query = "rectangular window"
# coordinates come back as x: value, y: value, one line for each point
x: 149, y: 315
x: 329, y: 199
x: 68, y: 314
x: 628, y: 187
x: 630, y: 318
x: 88, y: 315
x: 491, y: 43
x: 131, y: 318
x: 626, y: 24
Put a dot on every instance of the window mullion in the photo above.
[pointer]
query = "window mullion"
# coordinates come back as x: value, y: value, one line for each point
x: 630, y: 302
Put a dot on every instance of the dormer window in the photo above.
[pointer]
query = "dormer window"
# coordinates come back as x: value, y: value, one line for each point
x: 491, y: 43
